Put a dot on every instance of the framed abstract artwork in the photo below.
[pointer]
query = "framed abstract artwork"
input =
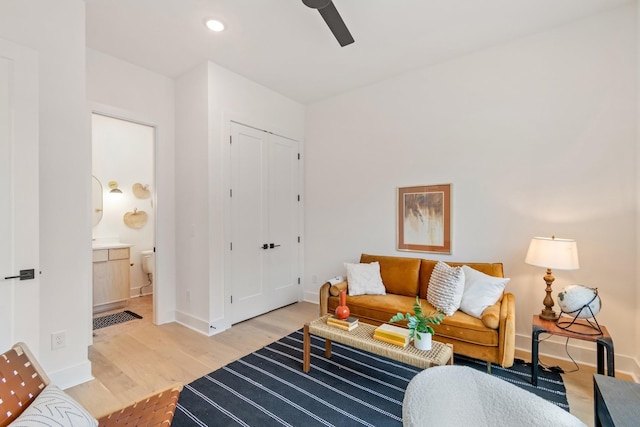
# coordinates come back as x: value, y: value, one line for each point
x: 424, y: 218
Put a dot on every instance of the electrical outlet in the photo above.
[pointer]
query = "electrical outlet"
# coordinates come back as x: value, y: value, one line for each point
x: 58, y: 340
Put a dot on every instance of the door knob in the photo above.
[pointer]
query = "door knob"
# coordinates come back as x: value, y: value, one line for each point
x: 271, y: 245
x: 265, y: 246
x: 24, y: 275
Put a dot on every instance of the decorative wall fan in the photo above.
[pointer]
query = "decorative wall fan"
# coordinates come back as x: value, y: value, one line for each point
x: 333, y: 19
x: 135, y: 219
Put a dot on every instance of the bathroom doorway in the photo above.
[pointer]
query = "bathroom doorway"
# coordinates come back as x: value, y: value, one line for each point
x: 124, y: 212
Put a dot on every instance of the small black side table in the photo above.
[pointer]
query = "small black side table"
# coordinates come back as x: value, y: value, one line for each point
x: 603, y: 341
x: 616, y: 403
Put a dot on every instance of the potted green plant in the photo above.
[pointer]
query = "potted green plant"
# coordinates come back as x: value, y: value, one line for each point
x: 420, y: 323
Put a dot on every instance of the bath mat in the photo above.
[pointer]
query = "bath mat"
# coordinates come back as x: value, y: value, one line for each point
x: 114, y: 319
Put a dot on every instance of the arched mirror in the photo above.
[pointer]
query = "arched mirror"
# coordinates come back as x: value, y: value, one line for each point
x: 96, y: 204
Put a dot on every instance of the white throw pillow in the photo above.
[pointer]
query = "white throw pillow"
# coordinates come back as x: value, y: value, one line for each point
x: 480, y: 291
x: 446, y: 285
x: 364, y: 279
x: 53, y: 407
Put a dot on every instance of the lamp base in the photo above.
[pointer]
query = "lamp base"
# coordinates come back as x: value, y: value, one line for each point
x: 547, y: 311
x: 548, y: 314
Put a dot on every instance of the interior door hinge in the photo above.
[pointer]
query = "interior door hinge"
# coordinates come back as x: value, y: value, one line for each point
x: 231, y: 299
x: 231, y: 192
x: 298, y: 239
x: 298, y: 280
x: 298, y: 197
x: 230, y: 246
x: 298, y: 156
x: 230, y: 140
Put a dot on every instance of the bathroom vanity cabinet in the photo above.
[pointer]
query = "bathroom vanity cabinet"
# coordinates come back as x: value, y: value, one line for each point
x: 111, y: 288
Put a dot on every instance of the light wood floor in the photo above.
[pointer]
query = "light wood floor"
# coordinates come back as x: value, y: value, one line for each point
x: 134, y: 359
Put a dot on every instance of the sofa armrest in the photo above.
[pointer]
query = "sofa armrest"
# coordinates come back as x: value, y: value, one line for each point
x: 328, y: 290
x: 507, y: 332
x: 324, y: 298
x: 334, y: 290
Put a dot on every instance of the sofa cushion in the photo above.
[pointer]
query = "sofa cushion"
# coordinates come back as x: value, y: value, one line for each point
x: 54, y: 407
x: 364, y: 279
x: 399, y: 275
x: 467, y: 328
x: 480, y: 291
x: 378, y: 308
x: 445, y: 288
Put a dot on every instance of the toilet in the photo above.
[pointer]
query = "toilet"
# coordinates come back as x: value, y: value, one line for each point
x: 148, y: 261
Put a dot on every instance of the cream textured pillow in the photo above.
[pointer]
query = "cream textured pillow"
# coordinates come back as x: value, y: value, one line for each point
x: 54, y: 407
x: 364, y: 279
x: 480, y: 291
x: 446, y: 285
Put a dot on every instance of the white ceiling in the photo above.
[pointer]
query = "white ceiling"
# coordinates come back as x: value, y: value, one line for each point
x: 287, y: 47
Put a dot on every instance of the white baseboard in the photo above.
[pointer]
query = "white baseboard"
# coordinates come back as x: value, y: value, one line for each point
x: 72, y: 375
x: 166, y: 317
x: 582, y: 352
x: 311, y: 297
x: 218, y: 326
x: 200, y: 325
x: 135, y: 292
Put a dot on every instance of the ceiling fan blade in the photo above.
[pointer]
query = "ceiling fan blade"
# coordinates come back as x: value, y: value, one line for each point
x: 333, y: 19
x: 337, y: 26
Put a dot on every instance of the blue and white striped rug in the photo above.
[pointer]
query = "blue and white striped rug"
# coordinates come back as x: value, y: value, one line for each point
x: 354, y: 387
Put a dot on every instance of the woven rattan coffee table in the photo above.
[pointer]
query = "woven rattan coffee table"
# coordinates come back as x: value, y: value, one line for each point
x: 362, y: 338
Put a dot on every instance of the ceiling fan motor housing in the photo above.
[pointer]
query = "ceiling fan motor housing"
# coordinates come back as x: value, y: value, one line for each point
x: 316, y: 4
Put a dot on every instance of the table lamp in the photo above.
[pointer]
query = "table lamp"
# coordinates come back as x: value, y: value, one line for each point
x: 549, y: 252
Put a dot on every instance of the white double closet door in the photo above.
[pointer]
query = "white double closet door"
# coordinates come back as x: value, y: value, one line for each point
x: 264, y: 238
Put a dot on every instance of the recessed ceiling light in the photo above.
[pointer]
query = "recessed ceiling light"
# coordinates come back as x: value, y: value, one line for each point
x: 214, y: 25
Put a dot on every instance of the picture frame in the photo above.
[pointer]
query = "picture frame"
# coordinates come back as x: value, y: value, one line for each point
x: 424, y: 218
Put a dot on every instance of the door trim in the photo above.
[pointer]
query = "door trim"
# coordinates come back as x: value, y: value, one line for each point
x: 160, y: 294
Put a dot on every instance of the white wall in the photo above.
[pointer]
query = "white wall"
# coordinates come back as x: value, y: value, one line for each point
x: 207, y: 98
x: 123, y: 152
x: 528, y: 132
x: 537, y: 136
x: 120, y: 89
x: 57, y: 33
x: 192, y: 228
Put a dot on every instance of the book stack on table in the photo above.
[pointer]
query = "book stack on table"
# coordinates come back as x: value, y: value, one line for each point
x: 348, y: 324
x: 392, y: 334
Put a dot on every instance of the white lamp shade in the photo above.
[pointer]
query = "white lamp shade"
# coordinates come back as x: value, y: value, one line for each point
x: 549, y: 252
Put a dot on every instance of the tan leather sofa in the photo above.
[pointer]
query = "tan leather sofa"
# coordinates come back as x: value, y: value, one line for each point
x: 491, y: 338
